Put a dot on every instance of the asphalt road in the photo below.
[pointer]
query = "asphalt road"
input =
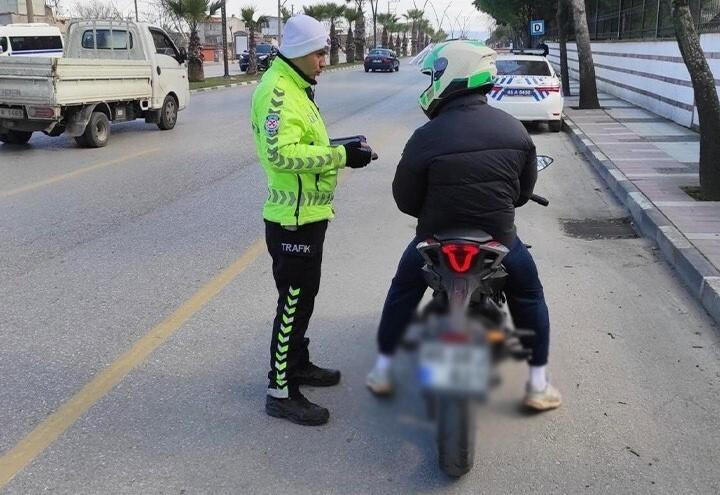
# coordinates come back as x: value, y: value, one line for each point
x: 138, y: 269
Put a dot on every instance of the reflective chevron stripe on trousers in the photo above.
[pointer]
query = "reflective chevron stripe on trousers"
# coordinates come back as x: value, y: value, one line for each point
x: 296, y: 260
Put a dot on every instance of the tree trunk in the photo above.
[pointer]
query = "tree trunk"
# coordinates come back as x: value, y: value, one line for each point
x: 350, y: 45
x: 414, y: 41
x: 252, y: 53
x: 588, y: 84
x: 223, y: 12
x: 706, y: 99
x: 405, y: 45
x: 360, y: 35
x: 562, y: 23
x: 384, y: 39
x: 195, y: 63
x: 334, y: 44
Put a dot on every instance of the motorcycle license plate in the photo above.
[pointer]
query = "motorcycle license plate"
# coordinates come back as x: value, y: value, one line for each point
x: 518, y: 92
x: 454, y: 368
x: 11, y: 113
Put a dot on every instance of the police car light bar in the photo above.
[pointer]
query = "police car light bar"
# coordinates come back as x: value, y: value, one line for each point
x: 527, y: 51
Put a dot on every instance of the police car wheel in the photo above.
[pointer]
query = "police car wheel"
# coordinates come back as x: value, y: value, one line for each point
x: 555, y: 125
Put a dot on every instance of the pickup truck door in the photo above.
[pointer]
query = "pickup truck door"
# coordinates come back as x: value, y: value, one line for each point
x: 169, y: 76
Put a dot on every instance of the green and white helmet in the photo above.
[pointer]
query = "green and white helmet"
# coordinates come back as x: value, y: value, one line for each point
x: 456, y: 67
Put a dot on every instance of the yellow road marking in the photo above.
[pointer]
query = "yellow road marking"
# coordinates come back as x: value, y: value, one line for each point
x: 17, y: 458
x: 75, y: 173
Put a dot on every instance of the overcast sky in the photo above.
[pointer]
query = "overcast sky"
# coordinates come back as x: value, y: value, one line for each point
x: 460, y: 11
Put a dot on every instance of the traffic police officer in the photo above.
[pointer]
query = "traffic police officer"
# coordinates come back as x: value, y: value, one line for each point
x: 302, y: 170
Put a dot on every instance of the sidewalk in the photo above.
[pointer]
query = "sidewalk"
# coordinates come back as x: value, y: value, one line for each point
x: 646, y: 160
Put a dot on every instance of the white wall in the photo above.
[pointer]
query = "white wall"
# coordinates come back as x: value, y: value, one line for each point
x: 650, y: 74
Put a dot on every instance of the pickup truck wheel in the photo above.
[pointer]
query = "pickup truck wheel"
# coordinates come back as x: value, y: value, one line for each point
x: 97, y: 132
x: 168, y: 114
x: 15, y: 137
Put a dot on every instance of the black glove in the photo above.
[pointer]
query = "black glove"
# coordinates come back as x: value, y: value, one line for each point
x: 358, y: 156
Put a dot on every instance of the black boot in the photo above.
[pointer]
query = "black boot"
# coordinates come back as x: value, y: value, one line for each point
x: 316, y: 376
x: 297, y: 409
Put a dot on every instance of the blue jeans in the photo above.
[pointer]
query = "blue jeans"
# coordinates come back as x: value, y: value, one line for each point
x: 523, y: 290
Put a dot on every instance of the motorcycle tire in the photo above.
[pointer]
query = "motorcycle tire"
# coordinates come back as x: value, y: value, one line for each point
x: 455, y: 435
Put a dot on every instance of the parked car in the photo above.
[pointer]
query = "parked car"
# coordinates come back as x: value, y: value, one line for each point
x: 265, y: 53
x: 30, y: 40
x: 113, y: 71
x: 528, y: 88
x: 381, y: 59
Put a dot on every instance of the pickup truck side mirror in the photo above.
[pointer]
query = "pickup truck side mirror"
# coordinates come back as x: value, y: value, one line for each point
x: 183, y: 55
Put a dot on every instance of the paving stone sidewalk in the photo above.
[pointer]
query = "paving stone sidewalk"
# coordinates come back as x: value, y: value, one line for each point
x: 647, y: 161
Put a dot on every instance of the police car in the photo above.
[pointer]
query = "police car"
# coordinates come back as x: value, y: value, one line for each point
x: 527, y: 88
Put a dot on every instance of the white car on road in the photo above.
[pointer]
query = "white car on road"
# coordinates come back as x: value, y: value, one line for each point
x: 527, y: 88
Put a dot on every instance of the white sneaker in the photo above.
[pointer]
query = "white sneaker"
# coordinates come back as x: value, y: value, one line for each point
x: 379, y: 381
x: 542, y: 400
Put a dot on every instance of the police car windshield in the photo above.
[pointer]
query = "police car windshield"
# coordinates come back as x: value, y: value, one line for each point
x: 523, y: 68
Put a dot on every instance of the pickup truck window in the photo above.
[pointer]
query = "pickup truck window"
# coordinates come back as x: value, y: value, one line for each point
x: 118, y: 40
x: 35, y: 43
x: 163, y: 44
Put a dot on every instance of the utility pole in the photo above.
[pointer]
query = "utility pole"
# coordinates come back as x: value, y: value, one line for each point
x: 30, y: 12
x: 279, y: 20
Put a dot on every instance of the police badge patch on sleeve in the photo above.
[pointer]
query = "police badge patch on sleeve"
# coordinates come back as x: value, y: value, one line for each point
x: 272, y: 124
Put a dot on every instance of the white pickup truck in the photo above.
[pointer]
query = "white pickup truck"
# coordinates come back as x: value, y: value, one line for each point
x: 112, y: 71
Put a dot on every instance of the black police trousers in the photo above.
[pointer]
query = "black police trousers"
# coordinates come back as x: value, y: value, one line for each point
x: 296, y: 260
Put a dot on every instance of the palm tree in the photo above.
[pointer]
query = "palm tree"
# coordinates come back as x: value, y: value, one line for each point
x: 386, y: 21
x: 333, y: 12
x: 414, y: 15
x: 193, y: 12
x: 351, y: 16
x: 359, y: 29
x: 247, y: 14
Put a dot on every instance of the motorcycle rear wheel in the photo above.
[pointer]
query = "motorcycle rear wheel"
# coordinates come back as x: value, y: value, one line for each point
x: 455, y: 435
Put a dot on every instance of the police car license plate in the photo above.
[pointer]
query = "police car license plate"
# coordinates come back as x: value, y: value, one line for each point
x: 11, y: 113
x: 454, y: 368
x: 518, y: 92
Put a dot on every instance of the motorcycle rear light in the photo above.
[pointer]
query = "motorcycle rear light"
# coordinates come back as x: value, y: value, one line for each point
x: 460, y: 256
x: 455, y: 337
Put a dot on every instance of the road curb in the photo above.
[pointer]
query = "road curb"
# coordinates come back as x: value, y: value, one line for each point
x: 252, y: 83
x: 698, y: 274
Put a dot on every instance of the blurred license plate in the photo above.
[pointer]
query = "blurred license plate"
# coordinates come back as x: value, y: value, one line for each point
x: 11, y: 113
x: 518, y: 92
x: 454, y: 368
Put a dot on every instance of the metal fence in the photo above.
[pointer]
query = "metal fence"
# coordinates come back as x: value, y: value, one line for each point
x: 637, y: 19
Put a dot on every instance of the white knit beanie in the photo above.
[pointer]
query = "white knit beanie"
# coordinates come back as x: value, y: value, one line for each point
x: 302, y: 36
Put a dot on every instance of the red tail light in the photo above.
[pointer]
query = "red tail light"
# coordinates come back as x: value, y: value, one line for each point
x: 551, y: 89
x: 460, y: 256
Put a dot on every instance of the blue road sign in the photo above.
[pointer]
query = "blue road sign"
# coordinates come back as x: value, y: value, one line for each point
x: 537, y: 28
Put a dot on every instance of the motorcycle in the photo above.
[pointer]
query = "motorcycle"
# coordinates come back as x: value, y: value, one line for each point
x: 464, y: 333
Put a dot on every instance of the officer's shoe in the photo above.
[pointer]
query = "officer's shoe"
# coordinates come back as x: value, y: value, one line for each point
x: 315, y: 376
x: 297, y: 409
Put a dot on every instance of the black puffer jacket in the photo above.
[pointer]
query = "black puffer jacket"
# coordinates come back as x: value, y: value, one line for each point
x: 469, y: 167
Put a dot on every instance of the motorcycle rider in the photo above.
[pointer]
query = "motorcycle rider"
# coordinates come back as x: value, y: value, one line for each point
x: 469, y: 167
x: 302, y: 170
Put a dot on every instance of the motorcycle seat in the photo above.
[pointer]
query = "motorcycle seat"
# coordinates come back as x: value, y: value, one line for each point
x: 472, y: 235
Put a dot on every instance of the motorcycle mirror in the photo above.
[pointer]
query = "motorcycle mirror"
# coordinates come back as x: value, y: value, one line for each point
x: 543, y: 162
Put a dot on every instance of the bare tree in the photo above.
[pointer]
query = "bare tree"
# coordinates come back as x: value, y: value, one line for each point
x: 706, y: 99
x: 98, y: 9
x: 588, y: 84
